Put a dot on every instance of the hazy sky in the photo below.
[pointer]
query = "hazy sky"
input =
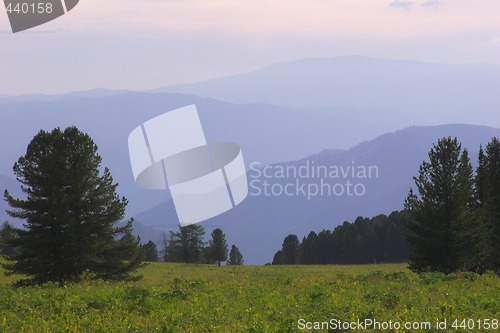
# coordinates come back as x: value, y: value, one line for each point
x: 142, y: 44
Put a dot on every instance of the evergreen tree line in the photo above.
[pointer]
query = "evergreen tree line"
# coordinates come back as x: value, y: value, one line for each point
x: 71, y: 212
x: 187, y: 246
x: 376, y: 240
x: 456, y: 212
x: 451, y: 223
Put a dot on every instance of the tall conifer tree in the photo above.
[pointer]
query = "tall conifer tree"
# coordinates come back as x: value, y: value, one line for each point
x: 441, y: 228
x: 217, y: 246
x: 71, y: 213
x: 488, y: 201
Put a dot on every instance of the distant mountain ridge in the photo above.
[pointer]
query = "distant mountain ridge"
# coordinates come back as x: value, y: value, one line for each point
x: 267, y: 220
x: 259, y: 224
x: 439, y: 93
x: 265, y: 133
x: 98, y: 92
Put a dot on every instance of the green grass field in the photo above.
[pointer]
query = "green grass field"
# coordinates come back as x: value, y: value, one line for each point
x: 199, y: 298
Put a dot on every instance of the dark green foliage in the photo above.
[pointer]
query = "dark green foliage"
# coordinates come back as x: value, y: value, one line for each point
x: 207, y: 256
x: 395, y: 248
x: 308, y: 249
x: 278, y: 258
x: 235, y: 257
x: 488, y: 204
x: 150, y: 251
x: 217, y: 247
x: 290, y: 249
x: 71, y: 213
x: 376, y: 240
x: 7, y: 231
x: 442, y: 229
x: 451, y: 224
x: 379, y: 239
x: 186, y: 245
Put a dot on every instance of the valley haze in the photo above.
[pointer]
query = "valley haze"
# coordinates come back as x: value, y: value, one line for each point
x: 335, y: 112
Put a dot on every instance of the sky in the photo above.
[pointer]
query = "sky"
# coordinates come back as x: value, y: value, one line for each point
x: 146, y: 44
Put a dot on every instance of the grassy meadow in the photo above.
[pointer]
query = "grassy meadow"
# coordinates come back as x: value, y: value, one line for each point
x: 203, y: 298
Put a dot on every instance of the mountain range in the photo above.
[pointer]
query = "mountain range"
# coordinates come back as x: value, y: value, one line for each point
x: 435, y: 93
x: 259, y: 224
x: 340, y: 112
x: 265, y: 133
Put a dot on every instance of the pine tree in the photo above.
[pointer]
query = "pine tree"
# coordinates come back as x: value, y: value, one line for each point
x: 290, y: 250
x: 7, y: 231
x: 235, y: 257
x: 441, y: 228
x: 278, y: 258
x: 150, y: 251
x: 186, y: 245
x: 71, y: 212
x: 217, y: 246
x: 488, y: 202
x: 308, y: 249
